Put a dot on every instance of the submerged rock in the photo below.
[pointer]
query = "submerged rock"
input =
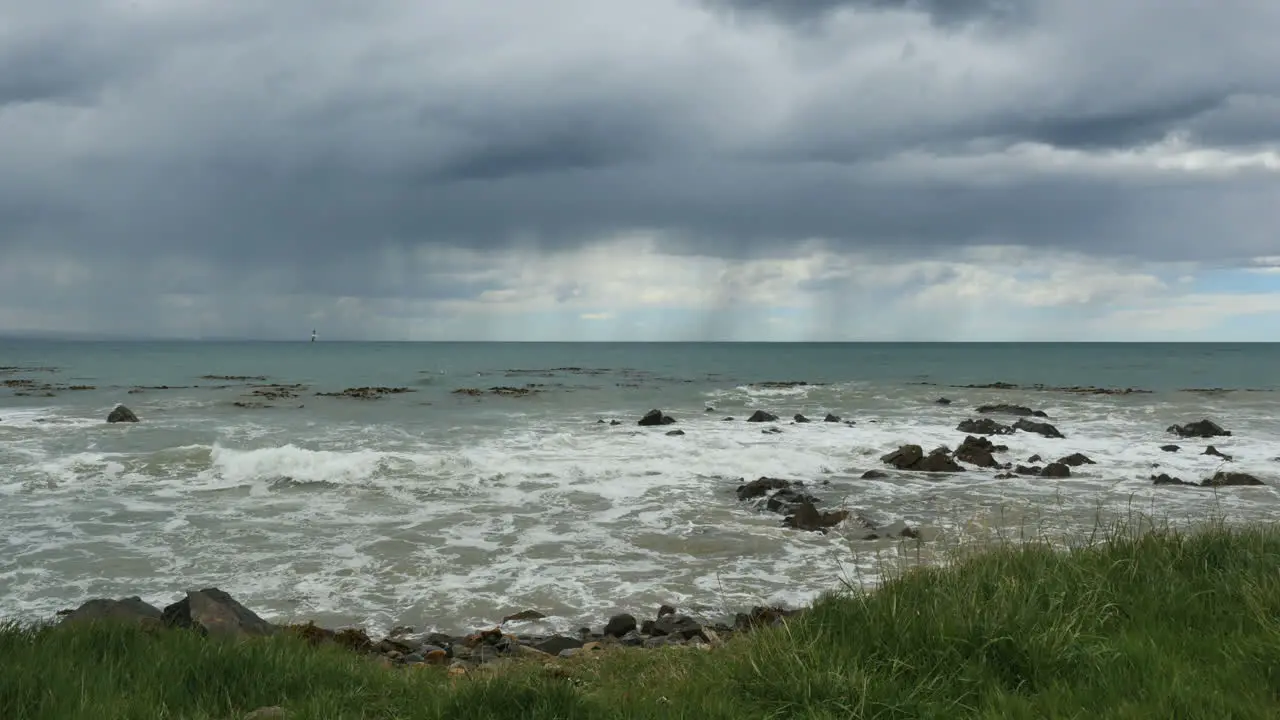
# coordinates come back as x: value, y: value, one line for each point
x: 1076, y: 460
x: 800, y: 418
x: 1231, y: 479
x: 655, y: 417
x: 983, y: 426
x: 1170, y: 448
x: 1056, y: 470
x: 1039, y: 428
x: 1211, y: 450
x: 1007, y: 409
x: 912, y: 457
x: 809, y: 518
x: 831, y: 418
x: 762, y: 416
x: 763, y: 486
x: 1166, y: 479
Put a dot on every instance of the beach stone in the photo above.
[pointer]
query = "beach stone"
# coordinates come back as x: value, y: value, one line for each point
x: 1211, y: 450
x: 620, y: 625
x: 762, y: 416
x: 1076, y: 460
x: 831, y: 418
x: 983, y: 426
x: 1056, y: 470
x: 130, y: 609
x: 1170, y: 448
x: 800, y: 418
x: 557, y: 644
x: 121, y: 414
x: 274, y: 712
x: 810, y: 519
x: 1007, y: 409
x: 655, y: 417
x: 1231, y: 479
x: 762, y: 486
x: 1199, y: 429
x: 682, y: 626
x: 1039, y: 428
x: 214, y: 612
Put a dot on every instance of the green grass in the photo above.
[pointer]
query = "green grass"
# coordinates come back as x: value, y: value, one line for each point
x: 1142, y: 624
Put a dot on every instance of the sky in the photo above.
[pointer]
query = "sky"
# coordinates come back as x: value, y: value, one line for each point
x: 658, y: 170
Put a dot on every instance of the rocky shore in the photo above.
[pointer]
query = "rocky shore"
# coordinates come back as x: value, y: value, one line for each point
x: 213, y: 612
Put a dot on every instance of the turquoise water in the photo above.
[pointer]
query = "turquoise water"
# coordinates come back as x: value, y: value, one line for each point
x: 435, y: 508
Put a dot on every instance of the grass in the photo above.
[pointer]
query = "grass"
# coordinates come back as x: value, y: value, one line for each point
x: 1150, y: 623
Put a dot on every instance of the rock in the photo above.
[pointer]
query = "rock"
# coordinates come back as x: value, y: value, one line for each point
x: 1035, y: 459
x: 983, y: 426
x: 810, y: 519
x: 943, y: 401
x: 898, y: 529
x: 911, y: 457
x: 1170, y: 448
x: 619, y: 625
x: 727, y: 419
x: 1005, y: 476
x: 801, y: 418
x: 762, y: 486
x: 1231, y: 479
x: 674, y: 433
x: 976, y: 451
x: 1007, y: 409
x: 122, y: 414
x: 1199, y: 429
x: 1165, y: 479
x: 664, y: 610
x: 274, y: 712
x: 762, y: 416
x: 655, y: 417
x: 785, y: 500
x: 213, y: 612
x: 681, y: 626
x: 772, y: 431
x: 831, y: 418
x: 1211, y: 450
x: 130, y: 609
x: 709, y: 409
x: 1076, y: 460
x: 523, y: 615
x: 1024, y: 470
x: 874, y: 475
x: 1056, y: 470
x: 1039, y: 428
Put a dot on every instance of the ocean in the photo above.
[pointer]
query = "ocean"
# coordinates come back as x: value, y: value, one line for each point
x: 446, y: 510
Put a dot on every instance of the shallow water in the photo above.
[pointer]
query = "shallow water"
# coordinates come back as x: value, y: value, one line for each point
x: 445, y: 511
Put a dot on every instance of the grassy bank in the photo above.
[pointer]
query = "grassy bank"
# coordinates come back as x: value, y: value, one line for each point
x: 1141, y: 625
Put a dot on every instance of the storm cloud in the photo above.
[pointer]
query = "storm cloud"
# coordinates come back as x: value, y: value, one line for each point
x: 387, y: 151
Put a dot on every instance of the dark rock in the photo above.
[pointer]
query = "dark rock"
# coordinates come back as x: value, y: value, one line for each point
x: 214, y: 612
x: 983, y: 443
x: 976, y: 451
x: 557, y: 644
x: 1076, y: 460
x: 943, y: 401
x: 1005, y: 476
x: 655, y: 417
x: 615, y: 422
x: 787, y: 499
x: 523, y: 615
x: 874, y: 475
x: 619, y: 625
x: 374, y: 393
x: 664, y: 610
x: 130, y: 609
x: 709, y: 409
x: 762, y: 617
x: 911, y: 457
x: 1056, y: 470
x: 632, y: 639
x: 983, y: 426
x: 1199, y: 429
x: 801, y: 418
x: 1007, y: 409
x: 809, y: 518
x: 938, y: 461
x: 762, y: 416
x: 762, y: 486
x: 1024, y: 470
x: 122, y: 414
x: 1211, y: 450
x: 1035, y: 459
x: 678, y: 625
x: 1231, y: 479
x: 831, y: 418
x: 898, y: 529
x: 1170, y: 448
x: 1166, y: 479
x: 675, y: 433
x: 772, y: 431
x: 659, y: 641
x: 728, y: 419
x: 1039, y: 428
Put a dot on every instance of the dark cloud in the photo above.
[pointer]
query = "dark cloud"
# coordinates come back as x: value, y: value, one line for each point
x: 303, y: 147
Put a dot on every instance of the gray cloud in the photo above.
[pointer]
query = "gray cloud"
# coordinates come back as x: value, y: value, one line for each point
x: 300, y: 145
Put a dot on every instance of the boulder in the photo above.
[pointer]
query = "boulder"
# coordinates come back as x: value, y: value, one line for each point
x: 121, y: 414
x: 762, y: 416
x: 1231, y: 479
x: 943, y: 401
x: 617, y: 626
x: 1039, y: 428
x: 1024, y: 470
x: 656, y: 417
x: 1007, y: 409
x: 809, y: 518
x: 874, y: 475
x: 983, y: 426
x: 938, y: 461
x: 1056, y: 470
x: 762, y: 486
x: 912, y: 457
x: 801, y: 418
x: 976, y: 451
x: 1170, y: 448
x: 1199, y: 429
x: 904, y: 457
x: 213, y: 612
x: 129, y: 610
x: 1166, y: 479
x: 786, y: 500
x: 898, y: 529
x: 523, y: 615
x: 681, y: 626
x: 674, y: 433
x: 557, y: 644
x: 1211, y: 450
x: 1076, y: 460
x: 831, y: 418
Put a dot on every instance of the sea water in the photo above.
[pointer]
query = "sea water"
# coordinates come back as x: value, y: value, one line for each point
x: 447, y: 510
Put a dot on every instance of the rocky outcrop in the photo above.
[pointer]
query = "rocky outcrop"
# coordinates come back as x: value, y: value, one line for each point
x: 978, y: 451
x: 655, y: 417
x: 1056, y: 470
x: 942, y: 401
x: 130, y: 610
x: 1039, y: 428
x: 983, y: 426
x: 800, y: 418
x: 762, y: 416
x: 1007, y: 409
x: 1199, y: 429
x: 213, y: 612
x: 912, y: 457
x: 122, y: 414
